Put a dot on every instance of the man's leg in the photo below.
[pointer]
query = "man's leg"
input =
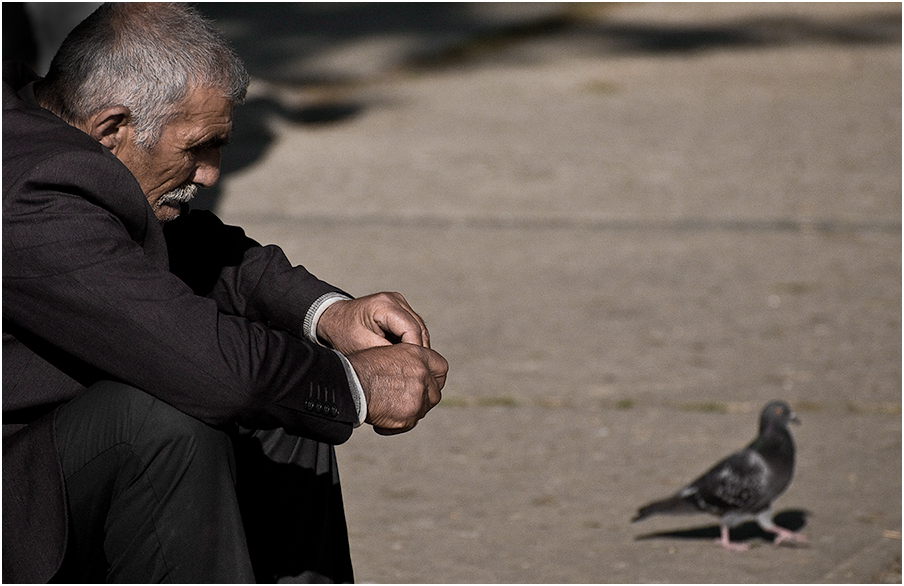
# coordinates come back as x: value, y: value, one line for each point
x: 292, y: 506
x: 151, y: 492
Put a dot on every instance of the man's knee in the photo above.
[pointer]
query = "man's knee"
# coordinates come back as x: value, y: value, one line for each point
x: 175, y: 435
x: 116, y: 414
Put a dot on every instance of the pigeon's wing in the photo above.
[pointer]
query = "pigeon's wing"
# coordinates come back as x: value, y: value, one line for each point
x: 739, y: 482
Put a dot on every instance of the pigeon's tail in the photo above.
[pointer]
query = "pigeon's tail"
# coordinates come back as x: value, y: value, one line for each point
x: 670, y: 506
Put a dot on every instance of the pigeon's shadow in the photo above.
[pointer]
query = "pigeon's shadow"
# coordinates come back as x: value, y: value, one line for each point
x: 794, y: 520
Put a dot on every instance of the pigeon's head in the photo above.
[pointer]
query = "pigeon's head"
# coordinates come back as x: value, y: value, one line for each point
x: 777, y: 414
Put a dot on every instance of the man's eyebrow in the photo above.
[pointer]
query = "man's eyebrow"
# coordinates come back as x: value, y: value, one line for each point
x: 212, y: 142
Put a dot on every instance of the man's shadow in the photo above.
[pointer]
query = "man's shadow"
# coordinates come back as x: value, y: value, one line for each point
x: 793, y: 519
x: 252, y: 134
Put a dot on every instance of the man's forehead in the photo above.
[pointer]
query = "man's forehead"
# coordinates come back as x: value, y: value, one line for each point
x: 205, y: 100
x: 205, y: 110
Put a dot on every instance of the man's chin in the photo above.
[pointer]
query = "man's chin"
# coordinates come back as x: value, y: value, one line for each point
x: 169, y: 206
x: 168, y: 212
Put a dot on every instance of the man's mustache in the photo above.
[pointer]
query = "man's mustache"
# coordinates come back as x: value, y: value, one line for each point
x: 180, y: 195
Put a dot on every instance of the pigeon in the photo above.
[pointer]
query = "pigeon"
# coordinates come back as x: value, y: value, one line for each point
x: 743, y: 485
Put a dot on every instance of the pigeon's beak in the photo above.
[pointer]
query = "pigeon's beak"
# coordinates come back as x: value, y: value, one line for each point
x: 794, y: 418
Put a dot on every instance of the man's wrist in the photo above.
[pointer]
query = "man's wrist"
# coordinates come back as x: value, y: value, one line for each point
x: 312, y: 317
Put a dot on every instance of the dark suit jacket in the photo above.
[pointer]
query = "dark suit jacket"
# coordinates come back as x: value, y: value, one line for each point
x: 202, y: 317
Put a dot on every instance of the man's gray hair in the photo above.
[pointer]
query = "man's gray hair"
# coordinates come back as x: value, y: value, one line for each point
x: 147, y: 57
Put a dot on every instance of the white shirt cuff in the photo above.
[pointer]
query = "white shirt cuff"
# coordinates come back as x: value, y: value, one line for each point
x: 355, y: 387
x: 316, y: 310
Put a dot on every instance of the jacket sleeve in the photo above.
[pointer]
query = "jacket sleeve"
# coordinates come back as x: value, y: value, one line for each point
x: 84, y: 295
x: 243, y: 277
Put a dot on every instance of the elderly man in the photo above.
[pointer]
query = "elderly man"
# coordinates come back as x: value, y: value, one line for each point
x: 172, y: 389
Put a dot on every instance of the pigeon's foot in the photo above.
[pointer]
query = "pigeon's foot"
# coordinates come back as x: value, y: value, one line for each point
x: 783, y: 535
x: 729, y: 546
x: 725, y: 541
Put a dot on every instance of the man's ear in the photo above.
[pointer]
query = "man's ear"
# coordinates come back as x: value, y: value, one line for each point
x: 108, y: 126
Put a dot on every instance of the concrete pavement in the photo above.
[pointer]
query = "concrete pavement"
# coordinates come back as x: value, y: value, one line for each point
x: 628, y: 227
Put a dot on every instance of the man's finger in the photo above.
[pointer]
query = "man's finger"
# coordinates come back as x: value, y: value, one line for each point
x: 389, y: 431
x: 405, y: 325
x: 374, y: 339
x: 418, y: 334
x: 438, y: 367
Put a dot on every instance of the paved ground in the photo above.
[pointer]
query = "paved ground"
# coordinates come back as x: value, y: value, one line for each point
x: 628, y: 226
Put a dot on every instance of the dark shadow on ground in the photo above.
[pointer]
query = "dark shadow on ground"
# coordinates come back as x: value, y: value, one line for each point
x: 285, y: 44
x: 283, y: 41
x: 793, y: 519
x: 252, y: 134
x: 295, y: 45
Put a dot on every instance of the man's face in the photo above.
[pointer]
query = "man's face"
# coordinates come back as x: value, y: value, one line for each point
x: 186, y: 156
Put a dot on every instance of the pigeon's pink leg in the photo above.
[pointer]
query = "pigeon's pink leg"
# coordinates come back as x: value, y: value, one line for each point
x: 726, y: 543
x: 782, y: 534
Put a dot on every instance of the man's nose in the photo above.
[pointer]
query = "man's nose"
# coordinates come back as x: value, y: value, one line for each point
x: 207, y: 171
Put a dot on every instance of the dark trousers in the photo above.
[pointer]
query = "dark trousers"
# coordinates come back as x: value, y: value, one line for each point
x: 158, y: 496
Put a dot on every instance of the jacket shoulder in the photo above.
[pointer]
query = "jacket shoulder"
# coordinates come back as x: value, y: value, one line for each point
x: 29, y: 131
x: 46, y: 159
